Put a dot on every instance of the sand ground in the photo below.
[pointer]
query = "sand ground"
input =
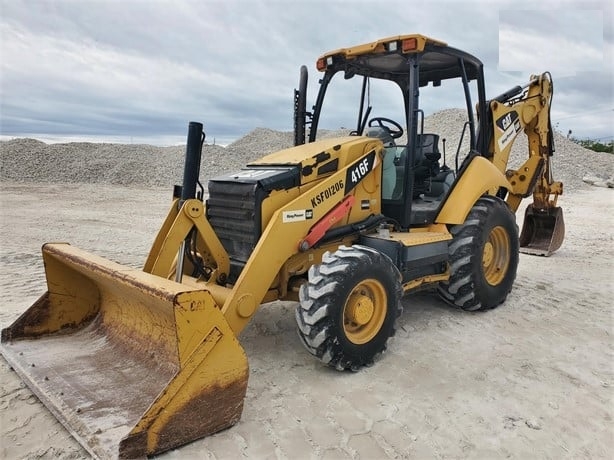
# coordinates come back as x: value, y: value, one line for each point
x: 533, y: 378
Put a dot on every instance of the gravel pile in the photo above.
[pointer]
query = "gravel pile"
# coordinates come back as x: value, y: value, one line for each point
x: 571, y: 163
x: 29, y: 160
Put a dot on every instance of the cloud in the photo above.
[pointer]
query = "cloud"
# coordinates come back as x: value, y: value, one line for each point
x: 563, y: 41
x: 144, y: 69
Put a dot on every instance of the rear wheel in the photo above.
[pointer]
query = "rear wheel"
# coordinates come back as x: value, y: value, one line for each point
x: 483, y: 257
x: 349, y: 306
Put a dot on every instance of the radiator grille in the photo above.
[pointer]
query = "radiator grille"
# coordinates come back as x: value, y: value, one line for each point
x: 233, y: 210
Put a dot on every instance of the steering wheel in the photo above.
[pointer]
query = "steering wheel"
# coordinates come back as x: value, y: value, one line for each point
x: 382, y: 122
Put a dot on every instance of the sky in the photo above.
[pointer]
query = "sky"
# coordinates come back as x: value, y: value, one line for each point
x: 139, y: 71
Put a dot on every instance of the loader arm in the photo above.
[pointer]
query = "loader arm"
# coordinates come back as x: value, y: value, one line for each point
x: 283, y: 237
x: 181, y: 219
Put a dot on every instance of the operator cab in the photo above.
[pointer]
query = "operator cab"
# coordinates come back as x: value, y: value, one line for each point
x: 432, y: 179
x: 400, y: 77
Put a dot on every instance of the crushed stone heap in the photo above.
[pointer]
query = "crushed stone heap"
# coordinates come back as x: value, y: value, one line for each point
x: 29, y: 160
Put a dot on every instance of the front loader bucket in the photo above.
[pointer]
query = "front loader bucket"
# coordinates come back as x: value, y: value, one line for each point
x: 543, y: 231
x: 131, y: 364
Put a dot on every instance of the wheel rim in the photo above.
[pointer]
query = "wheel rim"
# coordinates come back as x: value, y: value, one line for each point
x: 496, y: 255
x: 365, y: 311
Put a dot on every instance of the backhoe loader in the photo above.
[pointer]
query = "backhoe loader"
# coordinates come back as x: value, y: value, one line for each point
x: 136, y: 362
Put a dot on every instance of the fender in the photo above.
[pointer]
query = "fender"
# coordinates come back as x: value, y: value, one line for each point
x: 480, y: 177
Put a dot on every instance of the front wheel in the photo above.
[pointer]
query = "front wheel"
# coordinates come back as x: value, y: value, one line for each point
x: 483, y: 257
x: 349, y: 306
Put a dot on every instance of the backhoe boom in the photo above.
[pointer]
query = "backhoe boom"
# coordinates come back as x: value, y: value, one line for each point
x: 528, y: 109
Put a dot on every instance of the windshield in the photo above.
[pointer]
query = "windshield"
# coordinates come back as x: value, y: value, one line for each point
x: 341, y: 109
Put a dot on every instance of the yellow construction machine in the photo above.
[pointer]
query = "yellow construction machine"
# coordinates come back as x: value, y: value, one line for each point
x: 135, y: 362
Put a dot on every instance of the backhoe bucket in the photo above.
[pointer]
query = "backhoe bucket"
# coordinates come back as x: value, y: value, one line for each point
x: 543, y: 231
x: 131, y: 364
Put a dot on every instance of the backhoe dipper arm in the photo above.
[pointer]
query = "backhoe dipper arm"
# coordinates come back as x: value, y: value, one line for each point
x: 530, y: 112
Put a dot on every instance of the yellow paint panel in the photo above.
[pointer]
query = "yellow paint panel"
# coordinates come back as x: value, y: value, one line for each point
x: 480, y: 177
x: 418, y: 238
x: 296, y: 155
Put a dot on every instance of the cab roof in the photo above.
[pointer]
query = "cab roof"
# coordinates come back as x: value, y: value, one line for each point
x: 387, y: 58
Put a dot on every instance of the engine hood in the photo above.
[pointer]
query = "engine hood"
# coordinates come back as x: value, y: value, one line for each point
x: 319, y: 159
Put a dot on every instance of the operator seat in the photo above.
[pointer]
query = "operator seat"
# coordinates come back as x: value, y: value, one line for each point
x: 426, y: 162
x: 389, y: 173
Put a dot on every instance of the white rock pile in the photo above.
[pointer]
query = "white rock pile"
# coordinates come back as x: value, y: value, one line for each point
x: 29, y: 160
